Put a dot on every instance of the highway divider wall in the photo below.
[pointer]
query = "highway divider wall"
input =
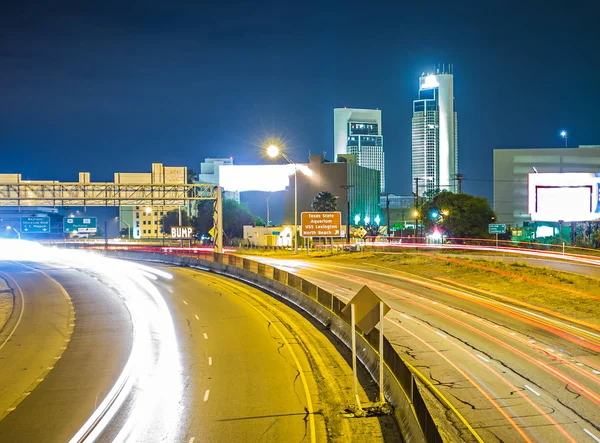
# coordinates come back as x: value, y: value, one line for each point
x: 400, y: 386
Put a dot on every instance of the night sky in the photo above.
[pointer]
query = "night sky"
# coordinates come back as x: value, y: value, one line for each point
x: 118, y: 86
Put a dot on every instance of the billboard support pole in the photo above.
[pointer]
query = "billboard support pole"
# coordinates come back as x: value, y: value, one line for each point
x: 496, y: 240
x: 381, y: 315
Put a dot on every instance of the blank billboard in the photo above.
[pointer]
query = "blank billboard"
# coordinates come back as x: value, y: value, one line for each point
x: 563, y: 196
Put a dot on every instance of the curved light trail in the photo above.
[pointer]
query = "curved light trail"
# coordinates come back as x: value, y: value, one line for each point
x: 143, y: 404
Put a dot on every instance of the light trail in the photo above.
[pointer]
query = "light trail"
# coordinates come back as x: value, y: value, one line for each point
x: 151, y: 382
x: 587, y: 393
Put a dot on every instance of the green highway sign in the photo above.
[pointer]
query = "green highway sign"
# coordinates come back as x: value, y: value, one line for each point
x: 497, y: 229
x: 35, y: 225
x: 82, y: 225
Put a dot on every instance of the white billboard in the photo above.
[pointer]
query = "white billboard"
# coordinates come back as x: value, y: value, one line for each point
x: 268, y: 178
x: 568, y: 197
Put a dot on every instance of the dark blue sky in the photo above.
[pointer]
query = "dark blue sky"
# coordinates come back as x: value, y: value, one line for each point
x: 118, y: 86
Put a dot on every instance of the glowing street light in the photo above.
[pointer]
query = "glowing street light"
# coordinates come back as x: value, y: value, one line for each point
x: 357, y: 219
x: 377, y: 220
x: 274, y: 151
x: 367, y: 219
x: 563, y: 134
x: 148, y: 210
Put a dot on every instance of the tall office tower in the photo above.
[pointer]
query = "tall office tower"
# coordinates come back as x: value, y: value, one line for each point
x: 435, y: 133
x: 358, y: 132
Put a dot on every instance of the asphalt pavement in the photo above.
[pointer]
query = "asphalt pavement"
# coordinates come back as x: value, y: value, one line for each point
x: 71, y: 372
x: 514, y: 376
x: 259, y: 371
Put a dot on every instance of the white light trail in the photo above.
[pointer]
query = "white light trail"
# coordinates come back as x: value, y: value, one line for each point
x: 152, y: 380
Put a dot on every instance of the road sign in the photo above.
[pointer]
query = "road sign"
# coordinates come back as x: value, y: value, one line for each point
x: 497, y: 229
x: 35, y: 225
x: 321, y: 224
x: 87, y: 225
x: 211, y: 232
x: 360, y: 232
x: 181, y: 232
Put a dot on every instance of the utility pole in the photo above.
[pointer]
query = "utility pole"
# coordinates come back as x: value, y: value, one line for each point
x: 416, y: 207
x: 347, y: 188
x: 459, y: 178
x: 387, y: 208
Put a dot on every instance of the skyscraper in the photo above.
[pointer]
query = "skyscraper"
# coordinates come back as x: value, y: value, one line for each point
x: 435, y: 133
x: 358, y: 132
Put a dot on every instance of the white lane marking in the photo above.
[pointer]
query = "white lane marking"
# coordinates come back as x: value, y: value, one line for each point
x: 205, y: 336
x: 550, y: 350
x: 197, y: 318
x: 579, y: 364
x: 192, y: 440
x: 591, y: 435
x: 440, y: 334
x: 170, y: 290
x: 483, y: 358
x: 185, y: 303
x: 435, y: 303
x: 596, y: 372
x: 536, y: 393
x: 404, y: 316
x: 206, y: 395
x: 209, y: 361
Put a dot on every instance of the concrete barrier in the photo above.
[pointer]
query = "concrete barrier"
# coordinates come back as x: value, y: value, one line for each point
x: 400, y: 388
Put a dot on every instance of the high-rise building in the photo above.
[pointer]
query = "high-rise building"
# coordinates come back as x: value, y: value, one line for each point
x: 358, y: 132
x: 435, y: 133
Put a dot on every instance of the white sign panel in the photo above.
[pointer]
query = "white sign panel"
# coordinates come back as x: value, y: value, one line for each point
x: 267, y: 178
x: 568, y: 197
x: 182, y: 232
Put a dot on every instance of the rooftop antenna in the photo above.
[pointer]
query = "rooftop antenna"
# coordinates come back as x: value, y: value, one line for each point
x: 444, y: 68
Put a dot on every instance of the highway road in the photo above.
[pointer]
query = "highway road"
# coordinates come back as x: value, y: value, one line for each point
x: 515, y: 374
x: 120, y: 351
x: 71, y: 343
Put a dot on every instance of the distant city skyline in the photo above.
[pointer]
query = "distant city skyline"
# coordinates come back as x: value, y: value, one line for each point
x: 100, y: 88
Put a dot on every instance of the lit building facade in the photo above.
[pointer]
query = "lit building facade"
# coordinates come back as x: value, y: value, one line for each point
x: 144, y: 222
x: 435, y: 134
x: 363, y: 190
x: 358, y: 132
x: 513, y: 166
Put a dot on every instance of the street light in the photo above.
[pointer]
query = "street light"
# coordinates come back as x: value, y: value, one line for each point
x: 563, y: 134
x: 273, y: 151
x: 8, y: 228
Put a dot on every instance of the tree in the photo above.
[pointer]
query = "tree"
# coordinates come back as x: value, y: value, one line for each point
x: 258, y: 221
x: 325, y: 201
x: 171, y: 219
x: 191, y: 176
x: 431, y: 194
x: 459, y: 215
x: 235, y: 216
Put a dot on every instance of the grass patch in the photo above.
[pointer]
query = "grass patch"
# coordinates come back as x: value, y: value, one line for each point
x: 567, y: 293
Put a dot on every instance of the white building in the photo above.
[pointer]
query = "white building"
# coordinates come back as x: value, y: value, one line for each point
x: 435, y: 133
x: 209, y: 174
x: 358, y: 132
x: 513, y: 166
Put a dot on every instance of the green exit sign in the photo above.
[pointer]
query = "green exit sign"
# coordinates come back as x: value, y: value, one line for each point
x: 497, y: 229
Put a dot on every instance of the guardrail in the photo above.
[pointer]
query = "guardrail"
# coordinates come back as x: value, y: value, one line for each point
x: 401, y: 380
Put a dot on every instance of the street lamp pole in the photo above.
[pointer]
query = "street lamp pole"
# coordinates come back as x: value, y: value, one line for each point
x: 128, y: 228
x: 295, y: 206
x: 17, y: 232
x: 564, y: 135
x: 347, y: 188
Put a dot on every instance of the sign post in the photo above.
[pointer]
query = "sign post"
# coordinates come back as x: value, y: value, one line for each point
x: 366, y: 310
x: 35, y: 225
x: 497, y: 229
